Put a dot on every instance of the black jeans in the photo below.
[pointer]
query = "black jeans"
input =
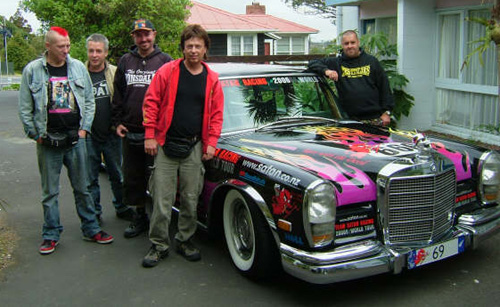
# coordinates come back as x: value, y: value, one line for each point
x: 136, y: 172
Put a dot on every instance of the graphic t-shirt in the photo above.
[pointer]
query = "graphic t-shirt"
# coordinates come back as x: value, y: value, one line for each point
x: 63, y: 112
x: 101, y: 127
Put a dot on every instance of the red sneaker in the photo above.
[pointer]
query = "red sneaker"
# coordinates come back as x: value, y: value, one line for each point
x: 48, y: 247
x: 101, y: 237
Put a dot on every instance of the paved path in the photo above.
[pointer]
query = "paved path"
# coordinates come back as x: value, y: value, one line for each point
x: 81, y: 273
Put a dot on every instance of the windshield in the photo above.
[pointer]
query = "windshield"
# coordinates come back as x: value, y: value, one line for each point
x: 254, y: 102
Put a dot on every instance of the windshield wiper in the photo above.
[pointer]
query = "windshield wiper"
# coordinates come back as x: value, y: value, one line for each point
x: 286, y: 121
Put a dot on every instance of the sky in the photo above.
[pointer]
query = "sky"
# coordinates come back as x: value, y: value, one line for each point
x: 9, y: 7
x: 277, y: 8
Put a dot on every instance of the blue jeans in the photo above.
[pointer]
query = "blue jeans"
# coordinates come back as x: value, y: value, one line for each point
x: 50, y: 162
x: 111, y: 151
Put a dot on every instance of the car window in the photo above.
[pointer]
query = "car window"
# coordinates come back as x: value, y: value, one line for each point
x: 253, y: 102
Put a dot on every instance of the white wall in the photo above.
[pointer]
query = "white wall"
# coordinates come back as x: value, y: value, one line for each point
x: 347, y: 18
x: 379, y: 8
x: 416, y: 49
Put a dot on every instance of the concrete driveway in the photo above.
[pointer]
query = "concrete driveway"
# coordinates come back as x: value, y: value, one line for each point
x: 81, y: 273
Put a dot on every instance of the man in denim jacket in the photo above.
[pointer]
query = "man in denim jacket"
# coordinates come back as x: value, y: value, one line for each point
x: 56, y: 108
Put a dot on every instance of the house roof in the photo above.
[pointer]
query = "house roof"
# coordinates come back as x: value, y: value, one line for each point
x: 283, y: 25
x: 215, y: 20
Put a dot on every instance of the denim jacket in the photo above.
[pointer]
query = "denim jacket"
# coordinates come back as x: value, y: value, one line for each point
x: 33, y: 96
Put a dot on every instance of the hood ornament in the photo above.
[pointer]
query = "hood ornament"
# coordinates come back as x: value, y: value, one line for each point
x: 423, y: 147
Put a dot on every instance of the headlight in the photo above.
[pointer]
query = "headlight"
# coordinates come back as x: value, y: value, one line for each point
x: 321, y: 203
x: 489, y: 178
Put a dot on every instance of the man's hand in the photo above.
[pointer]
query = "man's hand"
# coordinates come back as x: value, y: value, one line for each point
x: 386, y: 119
x: 332, y: 74
x: 150, y: 147
x: 82, y: 134
x: 121, y: 130
x: 209, y: 154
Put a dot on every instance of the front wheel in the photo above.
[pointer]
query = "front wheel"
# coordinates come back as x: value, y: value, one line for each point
x: 248, y: 237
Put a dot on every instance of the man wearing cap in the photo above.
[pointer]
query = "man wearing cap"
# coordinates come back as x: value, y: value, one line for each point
x: 56, y: 108
x: 133, y: 76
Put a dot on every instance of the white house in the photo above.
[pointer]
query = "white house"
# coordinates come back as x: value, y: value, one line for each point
x: 253, y: 33
x: 433, y: 38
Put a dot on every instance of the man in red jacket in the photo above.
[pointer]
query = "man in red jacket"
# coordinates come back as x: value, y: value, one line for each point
x: 183, y: 106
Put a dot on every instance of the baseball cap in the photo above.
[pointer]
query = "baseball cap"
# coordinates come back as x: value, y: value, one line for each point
x: 142, y: 24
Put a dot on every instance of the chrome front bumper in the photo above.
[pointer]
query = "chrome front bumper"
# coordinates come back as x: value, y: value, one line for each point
x: 371, y: 257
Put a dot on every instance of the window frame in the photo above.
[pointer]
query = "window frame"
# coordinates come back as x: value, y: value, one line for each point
x: 459, y: 84
x: 241, y: 37
x: 291, y: 49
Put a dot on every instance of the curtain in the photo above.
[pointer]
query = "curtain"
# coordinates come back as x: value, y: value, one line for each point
x: 449, y: 46
x: 235, y: 45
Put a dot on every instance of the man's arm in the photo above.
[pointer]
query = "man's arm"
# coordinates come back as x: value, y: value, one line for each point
x: 216, y: 119
x: 386, y: 99
x: 151, y: 108
x: 325, y: 67
x: 119, y: 88
x: 384, y: 88
x: 26, y: 105
x: 89, y: 105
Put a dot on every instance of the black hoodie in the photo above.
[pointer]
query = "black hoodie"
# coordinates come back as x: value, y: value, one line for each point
x: 132, y: 78
x: 363, y: 87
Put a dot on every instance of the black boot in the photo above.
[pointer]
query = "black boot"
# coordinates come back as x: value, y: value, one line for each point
x: 138, y: 225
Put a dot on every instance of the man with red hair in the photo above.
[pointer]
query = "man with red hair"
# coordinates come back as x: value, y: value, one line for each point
x: 56, y: 108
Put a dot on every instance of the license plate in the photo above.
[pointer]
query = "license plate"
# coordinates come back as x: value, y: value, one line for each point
x: 436, y: 252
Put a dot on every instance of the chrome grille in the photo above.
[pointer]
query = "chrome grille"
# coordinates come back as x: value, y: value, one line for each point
x: 419, y: 208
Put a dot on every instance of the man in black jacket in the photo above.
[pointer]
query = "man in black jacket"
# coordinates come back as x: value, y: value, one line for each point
x: 361, y: 82
x: 133, y: 76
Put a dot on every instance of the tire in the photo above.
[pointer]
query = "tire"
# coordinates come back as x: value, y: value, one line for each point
x: 248, y: 238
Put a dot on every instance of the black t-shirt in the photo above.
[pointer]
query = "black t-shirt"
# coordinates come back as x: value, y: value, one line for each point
x: 101, y: 127
x: 189, y: 104
x: 62, y: 109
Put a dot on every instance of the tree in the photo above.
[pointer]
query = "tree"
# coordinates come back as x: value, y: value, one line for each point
x: 315, y: 7
x: 19, y: 22
x: 113, y: 18
x: 22, y: 45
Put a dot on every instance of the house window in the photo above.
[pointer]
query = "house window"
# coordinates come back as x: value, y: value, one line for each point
x: 466, y: 97
x: 291, y: 45
x: 243, y: 45
x: 388, y: 25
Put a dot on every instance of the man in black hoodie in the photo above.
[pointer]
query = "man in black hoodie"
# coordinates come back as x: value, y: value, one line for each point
x: 361, y: 82
x: 133, y: 76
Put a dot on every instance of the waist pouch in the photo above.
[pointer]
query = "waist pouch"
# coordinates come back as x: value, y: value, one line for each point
x: 179, y: 147
x: 61, y: 139
x: 135, y: 139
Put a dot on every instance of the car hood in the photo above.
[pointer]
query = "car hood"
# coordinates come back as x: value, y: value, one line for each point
x: 348, y: 155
